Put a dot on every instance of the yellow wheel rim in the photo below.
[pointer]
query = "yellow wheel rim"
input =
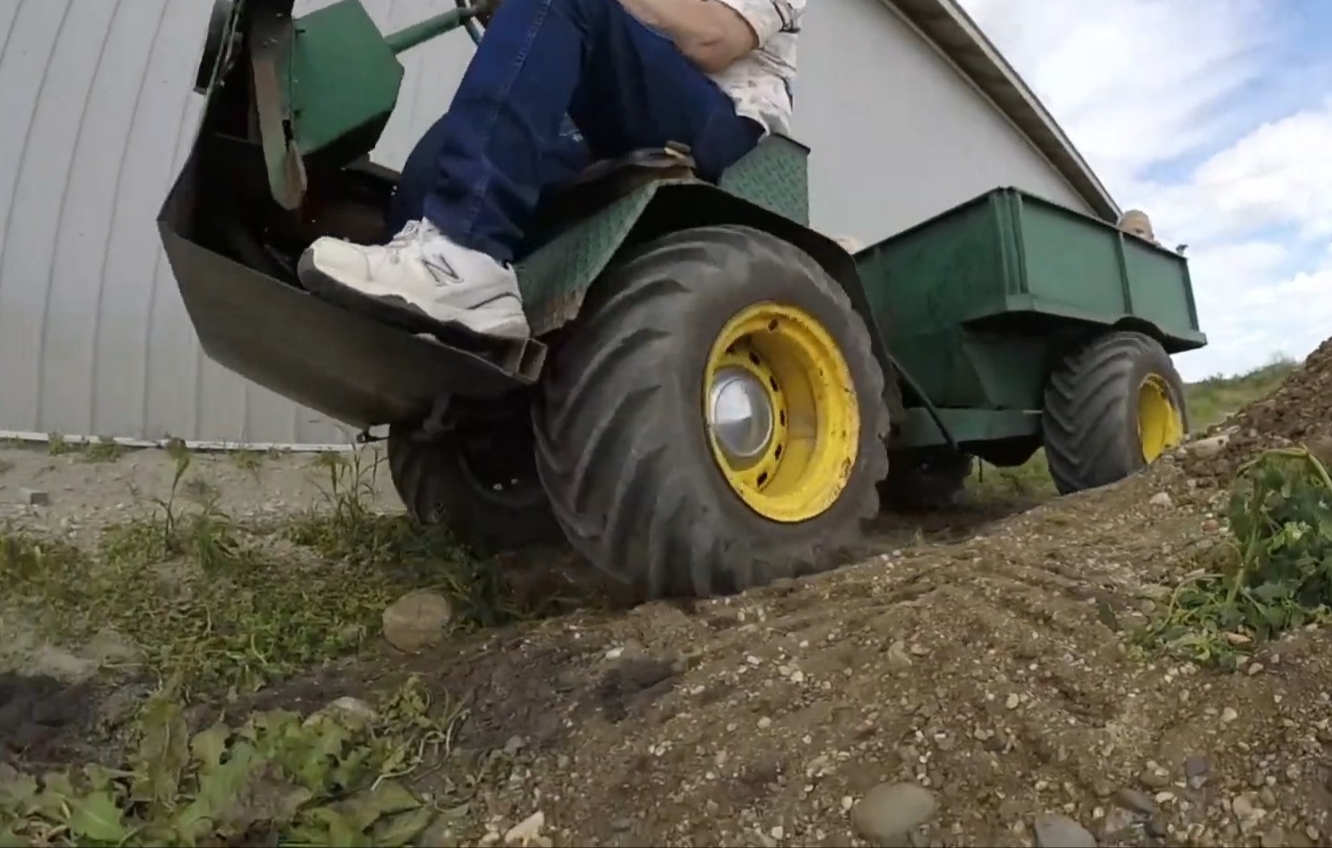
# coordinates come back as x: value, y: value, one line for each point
x: 1160, y: 424
x: 780, y: 409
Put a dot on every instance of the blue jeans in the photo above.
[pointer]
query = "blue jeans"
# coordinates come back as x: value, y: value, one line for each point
x: 478, y: 173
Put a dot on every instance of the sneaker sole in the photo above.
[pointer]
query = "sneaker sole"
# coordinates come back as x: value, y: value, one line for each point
x: 396, y: 310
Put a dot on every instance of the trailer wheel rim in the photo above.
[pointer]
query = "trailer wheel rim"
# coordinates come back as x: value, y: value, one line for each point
x: 780, y: 410
x: 1160, y: 424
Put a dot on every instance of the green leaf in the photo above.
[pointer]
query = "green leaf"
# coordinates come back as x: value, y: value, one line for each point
x: 56, y: 792
x: 1270, y: 592
x: 326, y: 826
x: 402, y: 828
x: 209, y: 746
x: 10, y: 839
x: 163, y: 753
x: 96, y: 817
x: 209, y: 811
x: 387, y: 797
x: 17, y: 792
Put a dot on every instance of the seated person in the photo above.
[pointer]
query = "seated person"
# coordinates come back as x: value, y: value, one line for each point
x: 631, y: 74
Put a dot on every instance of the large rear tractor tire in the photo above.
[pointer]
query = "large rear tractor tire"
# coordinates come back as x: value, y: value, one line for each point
x: 486, y: 494
x: 1112, y: 407
x: 715, y: 420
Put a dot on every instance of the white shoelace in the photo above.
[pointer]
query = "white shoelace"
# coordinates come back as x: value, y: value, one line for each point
x: 417, y: 231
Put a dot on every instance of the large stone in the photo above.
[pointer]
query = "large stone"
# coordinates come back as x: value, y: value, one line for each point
x: 417, y: 620
x: 1208, y: 447
x: 891, y: 811
x: 1059, y: 831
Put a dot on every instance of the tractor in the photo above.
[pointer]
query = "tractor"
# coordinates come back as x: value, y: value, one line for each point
x: 713, y: 390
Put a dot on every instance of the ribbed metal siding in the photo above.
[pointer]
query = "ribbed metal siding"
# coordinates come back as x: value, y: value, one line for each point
x: 99, y: 113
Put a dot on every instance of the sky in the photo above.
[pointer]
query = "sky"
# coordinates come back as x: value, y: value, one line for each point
x: 1215, y: 118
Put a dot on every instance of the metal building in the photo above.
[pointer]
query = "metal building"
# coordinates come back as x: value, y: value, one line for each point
x: 907, y: 107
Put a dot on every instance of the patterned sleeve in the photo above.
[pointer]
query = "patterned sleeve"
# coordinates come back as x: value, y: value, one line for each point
x: 769, y: 17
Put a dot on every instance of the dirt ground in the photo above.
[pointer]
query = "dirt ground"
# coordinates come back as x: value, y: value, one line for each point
x: 969, y: 683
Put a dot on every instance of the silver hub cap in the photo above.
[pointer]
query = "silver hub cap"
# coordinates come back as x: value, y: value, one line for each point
x: 740, y: 416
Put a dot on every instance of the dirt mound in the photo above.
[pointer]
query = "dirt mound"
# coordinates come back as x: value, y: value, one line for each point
x: 993, y: 673
x: 1298, y: 412
x: 978, y: 685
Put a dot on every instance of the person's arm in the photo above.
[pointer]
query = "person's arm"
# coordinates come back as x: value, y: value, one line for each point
x: 711, y: 33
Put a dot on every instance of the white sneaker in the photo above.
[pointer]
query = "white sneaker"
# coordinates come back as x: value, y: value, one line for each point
x: 420, y: 271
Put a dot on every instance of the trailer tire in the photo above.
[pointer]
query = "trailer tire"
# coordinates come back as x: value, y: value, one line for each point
x: 1112, y: 406
x: 634, y: 472
x: 438, y: 486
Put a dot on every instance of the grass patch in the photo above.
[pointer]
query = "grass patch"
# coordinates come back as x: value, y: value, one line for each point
x: 230, y: 608
x: 1274, y: 574
x: 1028, y: 481
x: 1212, y: 400
x: 248, y: 460
x: 103, y: 450
x: 276, y: 778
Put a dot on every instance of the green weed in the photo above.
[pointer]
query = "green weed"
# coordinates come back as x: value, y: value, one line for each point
x: 1275, y: 573
x: 332, y: 779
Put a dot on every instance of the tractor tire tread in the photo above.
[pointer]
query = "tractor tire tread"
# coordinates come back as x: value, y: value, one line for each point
x: 431, y: 484
x: 611, y: 420
x: 1087, y: 414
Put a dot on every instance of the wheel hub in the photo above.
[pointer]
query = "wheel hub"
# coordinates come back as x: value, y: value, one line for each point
x: 1160, y: 424
x: 740, y: 416
x: 780, y: 412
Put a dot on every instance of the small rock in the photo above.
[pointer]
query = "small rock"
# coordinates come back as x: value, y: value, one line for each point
x: 417, y: 620
x: 1154, y: 778
x: 1135, y: 801
x: 527, y: 833
x: 1228, y: 715
x: 1267, y: 797
x: 1210, y: 447
x: 1161, y: 499
x: 1245, y: 809
x: 890, y: 811
x: 1059, y: 831
x: 35, y: 497
x: 348, y: 711
x: 1196, y: 771
x: 1013, y: 701
x: 1255, y: 668
x: 1157, y: 826
x: 1117, y: 822
x: 898, y: 659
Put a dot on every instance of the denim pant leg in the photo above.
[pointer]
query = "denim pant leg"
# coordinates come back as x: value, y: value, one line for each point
x: 624, y: 86
x: 565, y: 160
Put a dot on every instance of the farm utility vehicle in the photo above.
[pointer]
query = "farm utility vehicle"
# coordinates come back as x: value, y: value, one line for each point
x: 714, y: 390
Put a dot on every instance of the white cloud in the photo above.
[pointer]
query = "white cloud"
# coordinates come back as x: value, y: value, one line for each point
x: 1142, y: 86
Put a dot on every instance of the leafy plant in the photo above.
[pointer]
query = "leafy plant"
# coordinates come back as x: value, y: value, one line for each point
x: 330, y: 779
x: 1280, y: 570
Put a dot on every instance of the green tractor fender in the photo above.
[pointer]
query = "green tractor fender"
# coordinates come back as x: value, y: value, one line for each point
x: 765, y: 191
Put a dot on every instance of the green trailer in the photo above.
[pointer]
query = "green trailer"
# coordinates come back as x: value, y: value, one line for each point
x: 1022, y: 323
x: 715, y: 395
